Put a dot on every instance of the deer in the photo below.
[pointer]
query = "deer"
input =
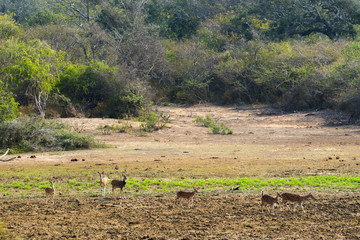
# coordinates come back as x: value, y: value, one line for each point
x: 268, y: 200
x: 187, y: 195
x: 50, y: 192
x: 104, y: 181
x: 118, y: 184
x: 297, y: 199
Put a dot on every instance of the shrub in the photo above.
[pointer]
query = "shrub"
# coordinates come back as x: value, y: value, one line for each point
x: 33, y: 134
x: 152, y: 121
x: 215, y: 128
x: 8, y: 26
x: 8, y: 106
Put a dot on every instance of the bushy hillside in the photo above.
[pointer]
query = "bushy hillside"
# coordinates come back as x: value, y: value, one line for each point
x: 115, y: 57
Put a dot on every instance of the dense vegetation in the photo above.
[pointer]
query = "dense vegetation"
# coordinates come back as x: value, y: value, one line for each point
x: 114, y: 57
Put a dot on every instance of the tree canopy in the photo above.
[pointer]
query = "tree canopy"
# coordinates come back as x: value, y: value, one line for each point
x: 113, y: 57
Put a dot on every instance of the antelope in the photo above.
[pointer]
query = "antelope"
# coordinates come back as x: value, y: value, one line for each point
x: 187, y: 195
x: 50, y: 192
x: 104, y: 181
x: 118, y: 184
x: 297, y: 199
x: 268, y: 200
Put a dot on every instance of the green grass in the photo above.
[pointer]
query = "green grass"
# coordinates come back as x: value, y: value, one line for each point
x: 216, y: 128
x: 75, y: 186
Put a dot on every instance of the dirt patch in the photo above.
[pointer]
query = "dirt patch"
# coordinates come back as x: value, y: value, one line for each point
x: 228, y: 216
x: 265, y: 143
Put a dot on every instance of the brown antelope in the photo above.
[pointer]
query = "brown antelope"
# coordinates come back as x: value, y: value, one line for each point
x: 104, y: 181
x: 268, y: 200
x: 118, y: 184
x: 187, y: 195
x: 50, y: 192
x: 297, y: 199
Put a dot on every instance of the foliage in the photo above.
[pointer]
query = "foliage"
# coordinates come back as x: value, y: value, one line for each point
x: 33, y: 134
x: 178, y: 19
x: 216, y: 128
x: 333, y: 18
x: 8, y: 106
x: 295, y: 54
x: 347, y: 76
x: 86, y: 184
x: 8, y: 27
x: 152, y: 121
x: 30, y: 71
x: 87, y: 85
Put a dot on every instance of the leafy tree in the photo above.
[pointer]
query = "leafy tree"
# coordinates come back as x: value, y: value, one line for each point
x: 31, y: 70
x: 177, y: 19
x: 87, y: 85
x: 100, y: 90
x: 333, y: 18
x: 8, y: 27
x: 190, y: 69
x: 22, y: 9
x: 8, y: 106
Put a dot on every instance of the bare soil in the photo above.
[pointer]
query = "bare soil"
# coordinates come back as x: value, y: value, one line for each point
x: 265, y: 143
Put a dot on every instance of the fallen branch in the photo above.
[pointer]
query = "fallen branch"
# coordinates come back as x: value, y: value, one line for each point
x: 7, y: 160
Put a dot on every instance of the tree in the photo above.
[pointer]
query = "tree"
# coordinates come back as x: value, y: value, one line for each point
x: 333, y: 18
x: 80, y: 11
x: 8, y: 106
x: 22, y: 9
x: 31, y: 70
x: 8, y: 27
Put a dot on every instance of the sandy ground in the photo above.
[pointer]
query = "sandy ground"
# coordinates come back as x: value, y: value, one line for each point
x: 265, y: 143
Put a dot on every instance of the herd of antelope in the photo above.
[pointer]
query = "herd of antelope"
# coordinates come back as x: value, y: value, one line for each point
x: 266, y: 200
x: 285, y: 198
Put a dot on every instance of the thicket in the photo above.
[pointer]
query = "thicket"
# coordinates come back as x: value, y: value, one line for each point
x: 34, y: 134
x: 111, y: 58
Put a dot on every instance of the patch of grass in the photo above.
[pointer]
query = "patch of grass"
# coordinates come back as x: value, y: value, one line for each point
x: 245, y: 184
x: 216, y: 128
x: 80, y: 181
x: 152, y: 121
x: 122, y: 127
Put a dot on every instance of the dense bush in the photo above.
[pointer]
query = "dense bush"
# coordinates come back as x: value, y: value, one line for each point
x: 8, y: 27
x: 99, y: 90
x: 120, y: 55
x: 33, y: 134
x: 8, y: 106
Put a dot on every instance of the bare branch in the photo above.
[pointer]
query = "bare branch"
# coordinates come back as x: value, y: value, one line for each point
x: 5, y: 153
x: 8, y: 160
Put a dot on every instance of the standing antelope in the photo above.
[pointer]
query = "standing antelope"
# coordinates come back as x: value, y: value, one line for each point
x: 297, y: 199
x: 50, y: 192
x: 118, y: 184
x: 104, y: 181
x: 187, y: 195
x: 268, y: 200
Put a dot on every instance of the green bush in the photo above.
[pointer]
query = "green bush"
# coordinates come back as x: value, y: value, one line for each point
x: 33, y: 134
x: 152, y: 121
x: 8, y: 106
x: 8, y: 26
x: 215, y: 128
